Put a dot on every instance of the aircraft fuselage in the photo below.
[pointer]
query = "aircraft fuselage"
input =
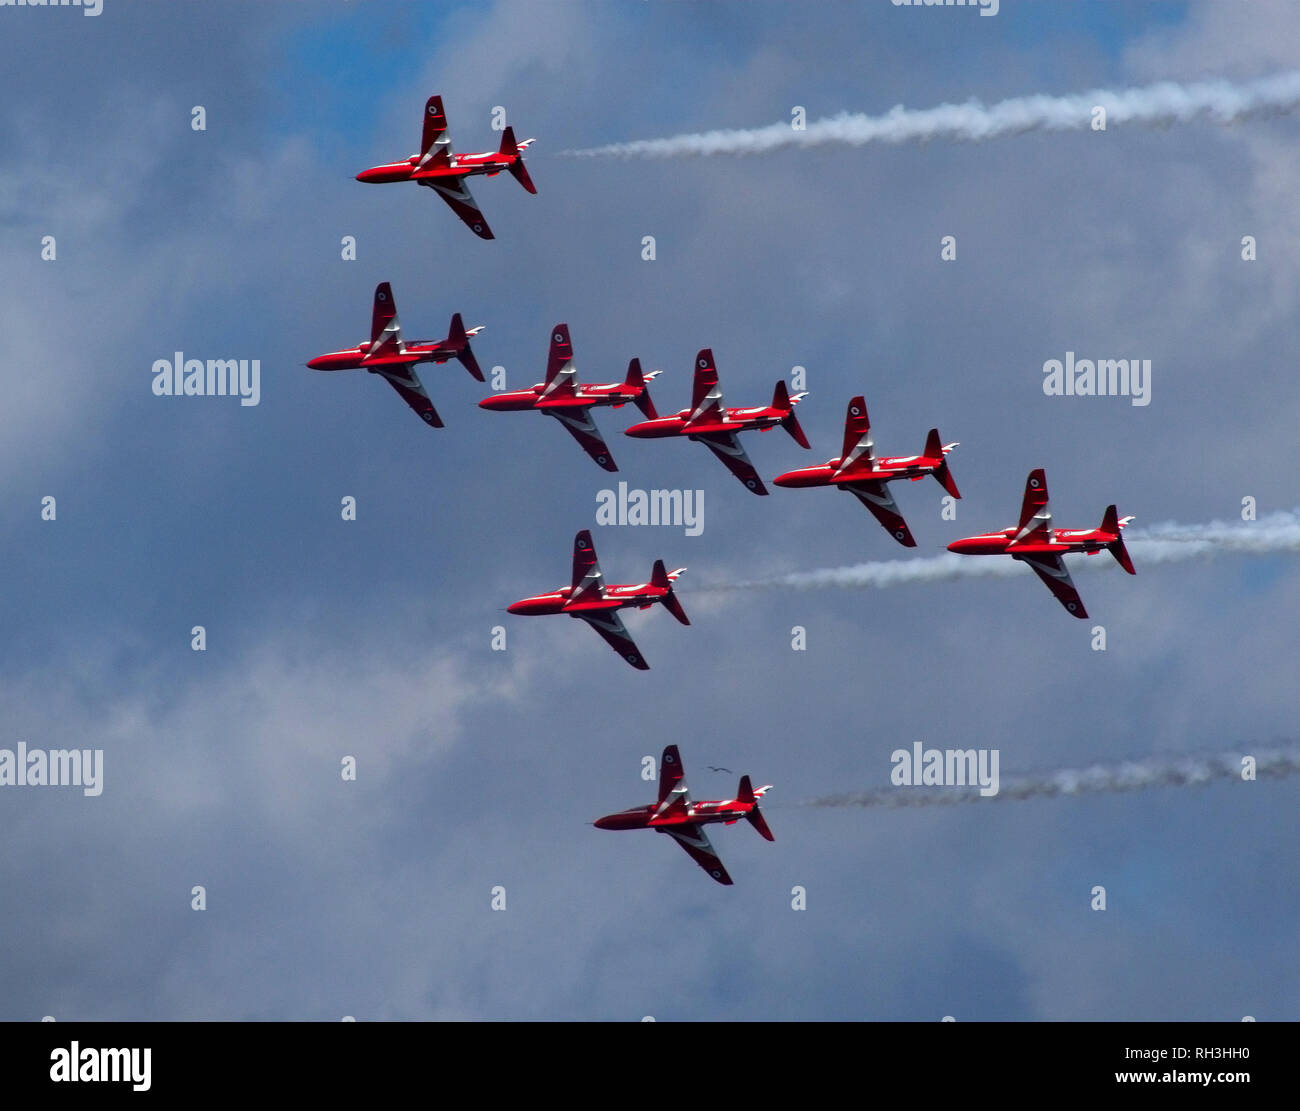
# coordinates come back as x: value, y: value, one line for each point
x: 1061, y: 542
x: 761, y: 419
x: 915, y: 467
x: 461, y: 165
x: 697, y: 813
x: 610, y: 393
x: 615, y: 598
x: 356, y: 358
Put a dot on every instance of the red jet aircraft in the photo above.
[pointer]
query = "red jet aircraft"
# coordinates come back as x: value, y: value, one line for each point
x: 715, y: 426
x: 1035, y: 542
x: 589, y: 598
x: 862, y: 474
x: 445, y: 173
x: 569, y: 401
x: 684, y: 820
x: 388, y: 354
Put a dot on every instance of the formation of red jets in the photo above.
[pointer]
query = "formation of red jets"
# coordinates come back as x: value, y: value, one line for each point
x: 676, y: 815
x: 570, y: 402
x: 393, y: 357
x: 589, y: 597
x: 443, y: 171
x: 857, y: 469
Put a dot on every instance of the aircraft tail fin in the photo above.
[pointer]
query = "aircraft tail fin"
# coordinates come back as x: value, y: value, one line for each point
x: 746, y: 794
x: 636, y: 381
x: 935, y: 448
x: 661, y: 578
x: 781, y: 400
x: 756, y: 819
x: 510, y: 149
x: 1111, y: 523
x: 459, y: 338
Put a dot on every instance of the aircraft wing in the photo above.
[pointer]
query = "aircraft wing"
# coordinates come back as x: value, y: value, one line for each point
x: 727, y: 448
x: 587, y: 581
x: 1035, y: 511
x: 877, y: 498
x: 608, y: 624
x: 385, y: 328
x: 858, y: 444
x: 434, y: 143
x: 706, y: 394
x: 561, y: 375
x: 672, y: 781
x: 691, y: 838
x: 583, y: 429
x: 1051, y: 569
x: 456, y: 193
x: 404, y: 381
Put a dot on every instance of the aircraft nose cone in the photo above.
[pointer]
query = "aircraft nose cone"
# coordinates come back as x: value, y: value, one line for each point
x: 637, y: 430
x: 786, y: 479
x: 959, y: 546
x: 515, y: 607
x: 314, y: 364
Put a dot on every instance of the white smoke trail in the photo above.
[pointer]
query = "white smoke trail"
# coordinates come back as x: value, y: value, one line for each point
x: 1159, y: 105
x: 1137, y: 775
x: 1164, y: 543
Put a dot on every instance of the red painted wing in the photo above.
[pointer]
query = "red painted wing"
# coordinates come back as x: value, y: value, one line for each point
x: 691, y: 838
x: 706, y: 395
x: 587, y: 582
x: 671, y: 775
x: 877, y: 498
x: 385, y: 328
x: 612, y: 631
x: 1035, y: 512
x: 454, y: 191
x: 559, y: 357
x: 1051, y: 569
x: 435, y: 123
x: 583, y: 429
x: 858, y: 450
x: 404, y: 381
x: 727, y: 448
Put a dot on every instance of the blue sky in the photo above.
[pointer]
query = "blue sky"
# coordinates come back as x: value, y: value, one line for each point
x: 479, y: 768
